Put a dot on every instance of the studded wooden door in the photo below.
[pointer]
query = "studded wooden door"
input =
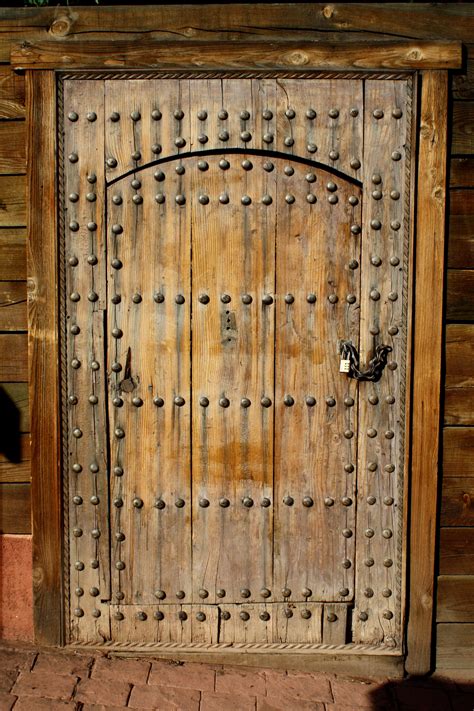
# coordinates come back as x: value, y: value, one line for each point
x: 225, y: 482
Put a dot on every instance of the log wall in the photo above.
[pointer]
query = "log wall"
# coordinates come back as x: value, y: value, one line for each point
x: 305, y: 21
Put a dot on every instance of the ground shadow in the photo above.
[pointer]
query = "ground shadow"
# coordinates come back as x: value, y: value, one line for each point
x: 427, y: 693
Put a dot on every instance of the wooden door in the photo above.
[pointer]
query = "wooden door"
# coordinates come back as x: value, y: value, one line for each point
x: 226, y: 483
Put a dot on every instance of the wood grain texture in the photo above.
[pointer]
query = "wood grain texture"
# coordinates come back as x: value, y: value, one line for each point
x: 150, y: 54
x: 461, y: 172
x: 427, y: 359
x: 460, y: 295
x: 454, y: 649
x: 456, y: 551
x: 459, y: 356
x: 455, y: 598
x: 458, y: 443
x: 457, y: 502
x: 462, y: 128
x: 12, y: 92
x: 13, y: 358
x: 18, y: 469
x: 461, y: 242
x: 463, y: 80
x: 13, y: 254
x: 459, y: 406
x: 12, y: 147
x: 43, y: 360
x: 15, y: 399
x: 13, y: 315
x: 15, y: 508
x: 12, y: 201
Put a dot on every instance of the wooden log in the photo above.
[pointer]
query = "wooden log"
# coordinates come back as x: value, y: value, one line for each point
x: 12, y: 93
x: 14, y: 400
x: 12, y: 147
x: 461, y: 173
x: 12, y: 201
x: 461, y: 241
x: 13, y: 254
x: 463, y: 81
x: 458, y: 444
x: 456, y: 551
x: 15, y: 467
x: 427, y: 354
x: 457, y: 501
x: 13, y: 357
x: 455, y: 598
x: 459, y: 406
x: 459, y: 356
x: 450, y: 21
x: 15, y: 508
x: 463, y: 127
x: 149, y: 53
x: 13, y: 306
x: 460, y: 295
x: 454, y: 649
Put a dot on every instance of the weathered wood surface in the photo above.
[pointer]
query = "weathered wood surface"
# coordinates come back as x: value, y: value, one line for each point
x: 460, y: 295
x: 463, y: 80
x: 463, y: 128
x: 459, y: 406
x: 43, y: 358
x: 12, y: 147
x: 13, y: 306
x: 12, y: 201
x: 461, y: 241
x: 427, y: 372
x: 456, y: 554
x: 149, y: 53
x: 461, y: 172
x: 15, y: 503
x: 12, y: 254
x: 19, y: 469
x: 459, y: 356
x: 455, y: 598
x: 457, y: 502
x: 14, y: 397
x: 458, y: 444
x: 454, y: 649
x: 13, y: 358
x: 12, y: 92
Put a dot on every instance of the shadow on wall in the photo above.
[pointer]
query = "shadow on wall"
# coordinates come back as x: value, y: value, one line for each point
x: 419, y: 694
x: 10, y: 441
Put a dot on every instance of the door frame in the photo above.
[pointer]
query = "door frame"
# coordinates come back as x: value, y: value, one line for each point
x: 47, y: 387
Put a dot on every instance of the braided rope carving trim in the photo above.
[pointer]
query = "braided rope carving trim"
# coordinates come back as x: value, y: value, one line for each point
x: 229, y: 74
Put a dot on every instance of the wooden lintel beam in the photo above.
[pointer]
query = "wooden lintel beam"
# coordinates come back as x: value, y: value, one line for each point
x: 153, y: 54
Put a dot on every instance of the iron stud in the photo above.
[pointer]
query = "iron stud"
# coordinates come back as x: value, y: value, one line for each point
x: 333, y: 199
x: 111, y: 162
x: 179, y: 142
x: 137, y: 401
x: 79, y: 612
x: 310, y: 401
x: 204, y: 503
x: 116, y: 367
x: 396, y: 155
x: 120, y: 565
x: 288, y: 613
x: 223, y: 135
x: 75, y: 330
x: 311, y: 114
x: 79, y: 565
x: 77, y: 468
x: 355, y: 229
x: 347, y: 533
x: 72, y: 399
x: 388, y: 562
x: 346, y: 563
x: 246, y: 200
x: 311, y: 298
x: 395, y: 225
x: 117, y: 402
x: 179, y: 401
x: 77, y: 433
x: 117, y: 200
x: 328, y: 501
x: 72, y: 116
x: 286, y: 592
x: 333, y: 155
x: 267, y: 200
x: 247, y: 502
x: 378, y: 114
x: 363, y: 616
x: 224, y: 402
x: 288, y: 501
x: 264, y: 616
x: 224, y: 503
x: 119, y: 433
x: 349, y: 468
x: 330, y: 401
x: 389, y: 468
x: 244, y: 616
x: 179, y: 503
x: 182, y: 616
x: 115, y: 116
x: 288, y: 400
x: 267, y: 115
x: 289, y: 299
x: 265, y: 502
x: 224, y: 199
x: 159, y: 504
x: 289, y: 141
x: 160, y: 198
x: 223, y: 115
x: 290, y: 199
x: 311, y: 148
x: 305, y: 614
x: 245, y: 136
x: 220, y: 593
x: 268, y: 166
x: 265, y: 402
x: 74, y: 226
x: 204, y: 401
x: 307, y: 501
x: 368, y: 592
x: 245, y: 402
x: 311, y: 198
x: 267, y: 300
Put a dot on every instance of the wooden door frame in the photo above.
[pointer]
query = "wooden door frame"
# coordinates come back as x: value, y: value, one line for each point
x: 432, y: 60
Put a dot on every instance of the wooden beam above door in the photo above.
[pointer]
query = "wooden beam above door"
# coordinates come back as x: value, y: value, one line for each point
x: 153, y: 54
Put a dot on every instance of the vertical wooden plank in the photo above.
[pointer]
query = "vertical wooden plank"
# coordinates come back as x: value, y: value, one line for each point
x: 384, y: 320
x: 43, y: 348
x: 426, y: 364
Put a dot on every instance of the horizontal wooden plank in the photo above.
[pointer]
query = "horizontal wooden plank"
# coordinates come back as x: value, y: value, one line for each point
x: 463, y: 127
x: 459, y: 355
x: 459, y: 406
x: 15, y: 508
x: 12, y: 94
x: 455, y: 598
x: 456, y: 551
x: 13, y: 315
x: 13, y: 254
x: 13, y: 357
x: 463, y: 81
x: 228, y: 21
x: 458, y: 446
x: 460, y: 295
x: 12, y: 147
x: 461, y: 241
x: 461, y: 172
x: 15, y: 456
x: 457, y: 501
x: 15, y: 405
x: 12, y: 201
x: 461, y: 202
x: 150, y: 53
x: 454, y: 647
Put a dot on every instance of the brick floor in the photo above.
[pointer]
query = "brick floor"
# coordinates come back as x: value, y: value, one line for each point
x: 55, y: 680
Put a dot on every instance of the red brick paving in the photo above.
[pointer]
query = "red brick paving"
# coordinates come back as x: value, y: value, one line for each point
x: 53, y: 680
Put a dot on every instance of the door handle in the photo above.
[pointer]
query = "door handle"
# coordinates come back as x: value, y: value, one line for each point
x: 350, y: 362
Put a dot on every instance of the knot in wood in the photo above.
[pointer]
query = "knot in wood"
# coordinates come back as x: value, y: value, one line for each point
x: 60, y: 27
